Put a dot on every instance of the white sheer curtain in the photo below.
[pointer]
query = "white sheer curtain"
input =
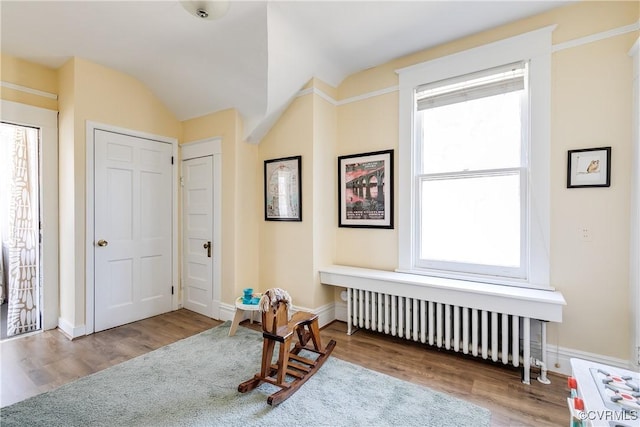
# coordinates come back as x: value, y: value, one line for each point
x: 20, y: 227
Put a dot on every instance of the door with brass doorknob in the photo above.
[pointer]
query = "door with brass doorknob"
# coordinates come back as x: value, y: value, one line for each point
x: 133, y: 268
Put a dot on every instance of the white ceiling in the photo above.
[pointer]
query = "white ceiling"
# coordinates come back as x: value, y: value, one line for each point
x: 256, y: 57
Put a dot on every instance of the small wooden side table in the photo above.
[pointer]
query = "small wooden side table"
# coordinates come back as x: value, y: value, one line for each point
x: 240, y: 310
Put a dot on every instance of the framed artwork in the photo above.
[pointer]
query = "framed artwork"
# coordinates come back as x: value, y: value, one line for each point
x: 365, y: 190
x: 283, y: 189
x: 589, y: 167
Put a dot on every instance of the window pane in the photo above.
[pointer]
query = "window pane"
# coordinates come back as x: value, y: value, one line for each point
x: 480, y: 134
x: 471, y: 220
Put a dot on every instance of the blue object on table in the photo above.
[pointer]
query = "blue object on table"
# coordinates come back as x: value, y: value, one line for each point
x: 251, y: 301
x: 248, y: 295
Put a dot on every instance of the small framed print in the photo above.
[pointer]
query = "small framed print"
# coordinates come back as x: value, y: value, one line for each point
x: 283, y: 189
x: 589, y: 167
x: 365, y: 190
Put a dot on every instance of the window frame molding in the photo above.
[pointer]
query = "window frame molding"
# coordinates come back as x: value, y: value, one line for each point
x: 534, y: 47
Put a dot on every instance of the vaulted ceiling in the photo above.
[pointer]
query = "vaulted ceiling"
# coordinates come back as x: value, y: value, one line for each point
x: 256, y: 57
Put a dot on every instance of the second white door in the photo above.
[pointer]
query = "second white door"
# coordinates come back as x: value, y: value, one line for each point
x: 197, y: 191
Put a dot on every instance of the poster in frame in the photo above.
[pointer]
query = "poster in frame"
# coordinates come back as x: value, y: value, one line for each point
x: 589, y: 167
x: 283, y: 189
x: 365, y: 190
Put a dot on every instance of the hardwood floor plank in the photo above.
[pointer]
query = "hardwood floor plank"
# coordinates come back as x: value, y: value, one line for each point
x: 41, y: 362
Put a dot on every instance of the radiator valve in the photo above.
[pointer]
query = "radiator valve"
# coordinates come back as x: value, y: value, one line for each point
x: 543, y: 371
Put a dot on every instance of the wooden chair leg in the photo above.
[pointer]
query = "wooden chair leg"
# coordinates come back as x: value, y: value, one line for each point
x: 267, y: 355
x: 283, y: 360
x: 315, y: 335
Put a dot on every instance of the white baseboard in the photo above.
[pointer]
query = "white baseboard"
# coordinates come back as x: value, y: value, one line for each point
x: 227, y: 311
x: 558, y: 359
x: 341, y: 311
x: 69, y: 330
x: 326, y: 313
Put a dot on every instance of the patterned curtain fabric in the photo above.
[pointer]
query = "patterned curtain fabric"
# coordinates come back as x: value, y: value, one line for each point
x: 22, y: 240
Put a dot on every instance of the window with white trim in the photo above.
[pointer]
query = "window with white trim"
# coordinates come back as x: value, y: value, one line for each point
x: 474, y: 133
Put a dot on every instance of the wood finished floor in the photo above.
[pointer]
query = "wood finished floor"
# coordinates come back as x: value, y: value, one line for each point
x: 41, y: 362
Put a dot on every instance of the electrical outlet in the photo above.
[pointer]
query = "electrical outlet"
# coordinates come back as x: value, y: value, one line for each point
x: 585, y: 234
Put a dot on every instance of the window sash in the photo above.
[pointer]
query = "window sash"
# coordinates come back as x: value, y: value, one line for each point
x: 457, y: 269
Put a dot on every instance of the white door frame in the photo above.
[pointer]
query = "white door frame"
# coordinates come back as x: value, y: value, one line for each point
x: 47, y: 121
x: 203, y: 148
x: 90, y: 225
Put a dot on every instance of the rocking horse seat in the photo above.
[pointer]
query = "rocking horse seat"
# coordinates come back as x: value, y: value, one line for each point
x: 299, y: 319
x: 277, y: 328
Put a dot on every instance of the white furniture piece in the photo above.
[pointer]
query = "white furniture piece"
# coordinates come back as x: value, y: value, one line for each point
x: 240, y: 312
x: 610, y: 394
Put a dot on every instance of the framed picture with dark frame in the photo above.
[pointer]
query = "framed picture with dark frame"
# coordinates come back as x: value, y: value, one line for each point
x: 589, y: 167
x: 365, y: 190
x: 283, y: 189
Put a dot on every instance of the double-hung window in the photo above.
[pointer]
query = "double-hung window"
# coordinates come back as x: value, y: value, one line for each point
x: 474, y: 155
x: 471, y: 174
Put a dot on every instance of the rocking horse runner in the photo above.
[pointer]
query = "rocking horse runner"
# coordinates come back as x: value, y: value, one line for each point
x: 277, y: 328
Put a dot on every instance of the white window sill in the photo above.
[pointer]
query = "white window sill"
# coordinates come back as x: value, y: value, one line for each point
x: 533, y: 303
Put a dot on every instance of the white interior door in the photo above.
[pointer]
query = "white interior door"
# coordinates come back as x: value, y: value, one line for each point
x: 133, y: 229
x: 197, y: 198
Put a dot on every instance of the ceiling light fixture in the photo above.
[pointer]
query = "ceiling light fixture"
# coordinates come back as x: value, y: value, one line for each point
x: 209, y: 9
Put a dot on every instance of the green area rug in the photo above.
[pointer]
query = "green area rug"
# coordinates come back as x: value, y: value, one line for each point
x: 194, y: 382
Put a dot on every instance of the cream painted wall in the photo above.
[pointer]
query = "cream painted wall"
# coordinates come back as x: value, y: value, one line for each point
x: 240, y: 209
x: 365, y: 126
x: 67, y: 194
x: 325, y: 206
x: 591, y: 107
x: 29, y: 75
x: 286, y: 247
x: 291, y: 253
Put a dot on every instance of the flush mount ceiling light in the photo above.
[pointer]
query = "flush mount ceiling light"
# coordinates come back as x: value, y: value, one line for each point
x: 209, y: 10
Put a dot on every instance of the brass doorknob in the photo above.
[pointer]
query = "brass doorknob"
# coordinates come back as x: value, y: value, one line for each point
x: 102, y: 242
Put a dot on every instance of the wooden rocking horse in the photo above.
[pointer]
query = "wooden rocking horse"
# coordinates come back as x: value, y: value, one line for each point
x: 278, y: 328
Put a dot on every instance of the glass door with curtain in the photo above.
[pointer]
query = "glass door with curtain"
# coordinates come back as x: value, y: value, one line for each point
x: 19, y: 230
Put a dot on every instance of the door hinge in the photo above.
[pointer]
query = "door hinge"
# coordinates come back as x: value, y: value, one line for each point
x: 172, y: 290
x: 171, y: 159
